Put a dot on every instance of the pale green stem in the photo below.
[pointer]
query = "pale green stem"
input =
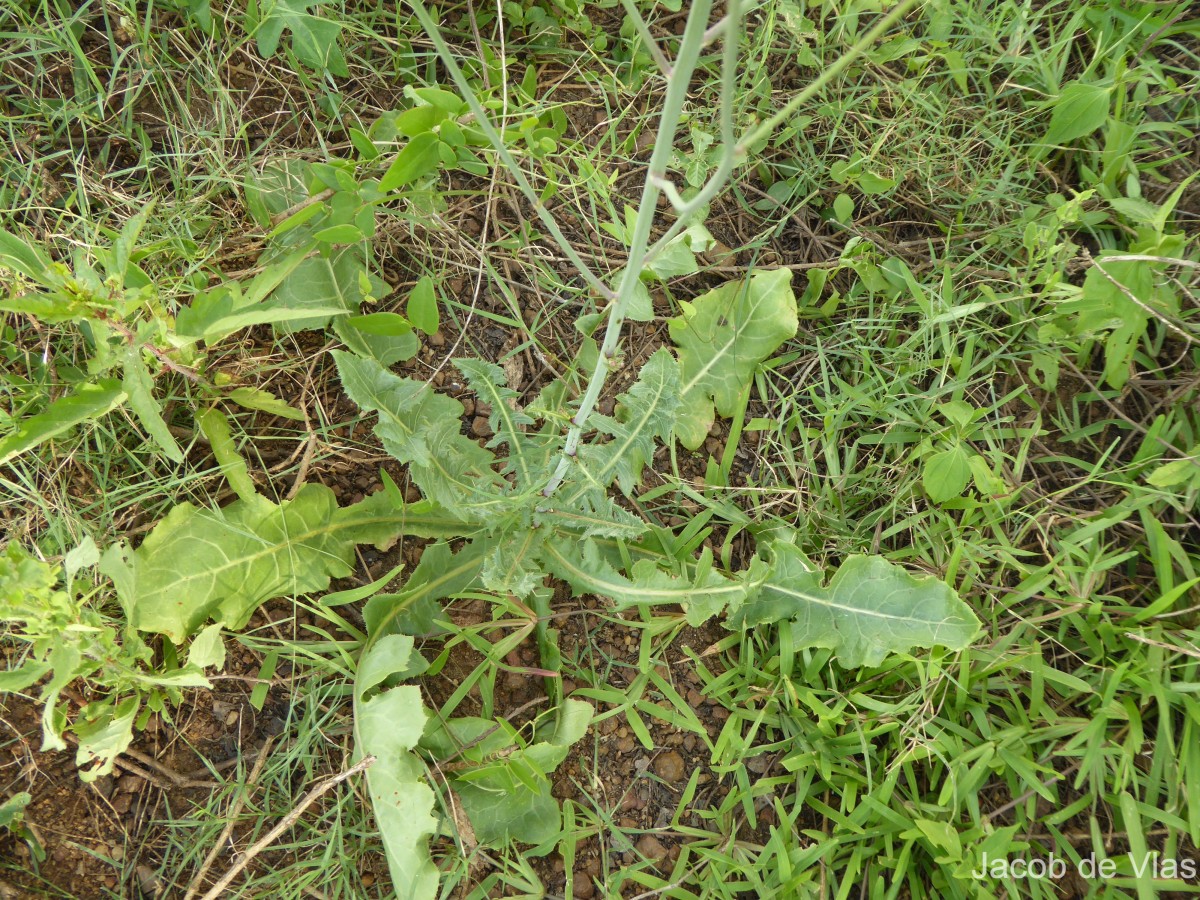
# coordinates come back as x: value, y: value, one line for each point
x: 696, y: 35
x: 735, y: 154
x: 729, y: 26
x: 643, y: 31
x: 664, y: 142
x: 497, y: 140
x: 763, y: 129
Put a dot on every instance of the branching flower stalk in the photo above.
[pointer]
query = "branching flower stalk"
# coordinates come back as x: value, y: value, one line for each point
x: 736, y: 153
x: 678, y: 79
x: 696, y: 36
x: 690, y: 46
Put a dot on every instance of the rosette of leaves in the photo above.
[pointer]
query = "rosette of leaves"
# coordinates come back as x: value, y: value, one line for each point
x: 489, y: 495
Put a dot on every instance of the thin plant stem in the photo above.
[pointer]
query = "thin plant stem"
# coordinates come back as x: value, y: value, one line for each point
x: 497, y: 140
x: 764, y: 129
x: 725, y: 166
x: 736, y: 154
x: 697, y: 34
x: 690, y: 46
x: 643, y: 31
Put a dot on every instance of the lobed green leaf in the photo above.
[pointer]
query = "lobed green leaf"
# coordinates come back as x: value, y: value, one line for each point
x: 870, y: 608
x: 722, y: 337
x: 388, y: 726
x: 422, y: 428
x: 222, y: 564
x: 647, y: 413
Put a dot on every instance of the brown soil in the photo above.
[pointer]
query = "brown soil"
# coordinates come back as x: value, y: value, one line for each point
x: 103, y: 839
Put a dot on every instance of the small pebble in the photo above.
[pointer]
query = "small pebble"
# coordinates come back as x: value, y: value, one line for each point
x: 480, y: 427
x: 669, y: 766
x: 436, y: 339
x: 582, y: 887
x: 651, y: 847
x: 148, y: 881
x: 104, y: 786
x: 515, y: 681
